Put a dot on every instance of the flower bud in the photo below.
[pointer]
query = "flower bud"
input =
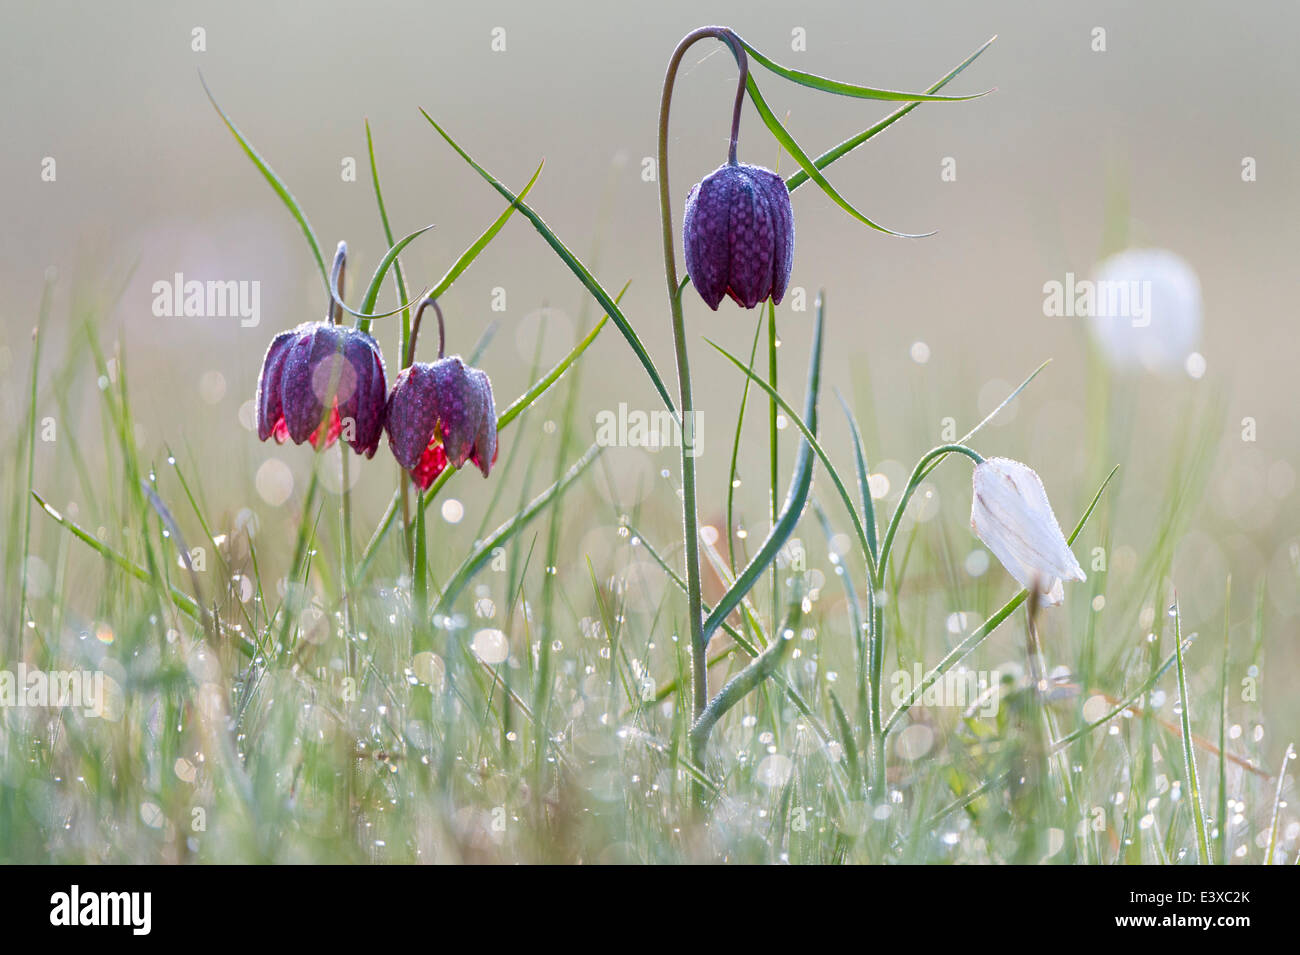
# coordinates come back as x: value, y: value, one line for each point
x: 1011, y: 515
x: 439, y: 414
x: 738, y: 232
x: 317, y: 363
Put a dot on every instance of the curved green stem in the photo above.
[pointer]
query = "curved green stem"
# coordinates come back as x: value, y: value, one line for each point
x: 690, y: 516
x: 918, y: 473
x: 879, y: 728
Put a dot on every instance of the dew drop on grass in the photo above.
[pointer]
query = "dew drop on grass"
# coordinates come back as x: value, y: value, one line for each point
x: 490, y: 646
x: 775, y: 770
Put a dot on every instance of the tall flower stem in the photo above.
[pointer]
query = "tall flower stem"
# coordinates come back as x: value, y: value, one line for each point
x: 690, y: 516
x: 877, y: 648
x: 420, y: 637
x: 335, y: 315
x: 409, y: 337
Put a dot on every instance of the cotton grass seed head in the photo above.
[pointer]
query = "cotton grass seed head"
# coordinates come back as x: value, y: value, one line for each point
x: 1147, y: 311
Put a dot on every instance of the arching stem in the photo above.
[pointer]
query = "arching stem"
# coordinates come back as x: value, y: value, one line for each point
x: 415, y: 331
x: 875, y: 664
x: 690, y: 516
x: 334, y: 313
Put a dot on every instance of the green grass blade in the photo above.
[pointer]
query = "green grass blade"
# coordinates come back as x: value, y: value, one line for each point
x: 1277, y: 803
x: 978, y: 635
x: 1222, y: 817
x: 388, y: 237
x: 794, y: 149
x: 516, y: 408
x: 478, y: 245
x: 38, y: 334
x: 376, y: 281
x: 853, y: 142
x: 800, y: 483
x: 484, y: 340
x: 483, y: 553
x: 1189, y: 744
x: 827, y: 85
x: 184, y: 603
x: 279, y: 187
x: 818, y: 450
x: 864, y: 473
x: 965, y: 438
x: 543, y: 384
x: 575, y: 266
x: 735, y: 455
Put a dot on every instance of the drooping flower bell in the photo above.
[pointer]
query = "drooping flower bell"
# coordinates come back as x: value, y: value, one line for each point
x: 738, y: 232
x: 322, y: 381
x: 316, y: 364
x: 1010, y: 513
x: 442, y: 413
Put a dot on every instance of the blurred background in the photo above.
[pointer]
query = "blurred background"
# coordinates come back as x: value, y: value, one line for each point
x: 1078, y: 152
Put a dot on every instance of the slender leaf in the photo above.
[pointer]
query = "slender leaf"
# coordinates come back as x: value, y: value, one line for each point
x: 483, y: 553
x: 853, y: 142
x: 864, y: 473
x: 280, y: 188
x: 979, y: 634
x: 1197, y: 805
x: 810, y: 436
x: 372, y: 290
x: 575, y: 266
x: 794, y: 149
x: 797, y: 496
x: 826, y: 85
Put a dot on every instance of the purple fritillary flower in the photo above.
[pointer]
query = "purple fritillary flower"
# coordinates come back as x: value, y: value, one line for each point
x: 738, y: 232
x: 440, y: 414
x: 307, y: 365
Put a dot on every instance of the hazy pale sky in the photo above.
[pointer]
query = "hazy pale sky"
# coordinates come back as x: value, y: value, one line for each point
x: 148, y: 178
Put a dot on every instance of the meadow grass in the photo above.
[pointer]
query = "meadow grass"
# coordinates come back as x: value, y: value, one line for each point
x: 325, y: 681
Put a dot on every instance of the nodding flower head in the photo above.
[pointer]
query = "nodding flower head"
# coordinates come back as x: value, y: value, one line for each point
x: 442, y: 413
x: 315, y: 365
x: 1011, y: 515
x: 739, y: 235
